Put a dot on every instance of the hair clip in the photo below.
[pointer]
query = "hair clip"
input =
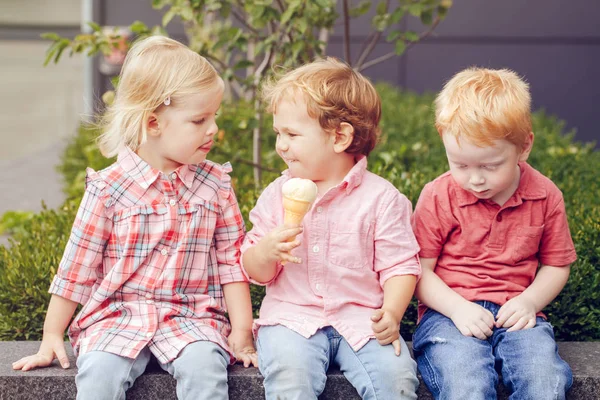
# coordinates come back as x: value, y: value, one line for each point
x: 167, y: 101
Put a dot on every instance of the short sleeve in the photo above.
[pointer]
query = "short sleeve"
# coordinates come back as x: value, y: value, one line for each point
x: 83, y: 255
x: 395, y: 245
x: 229, y: 232
x: 431, y: 222
x: 556, y: 246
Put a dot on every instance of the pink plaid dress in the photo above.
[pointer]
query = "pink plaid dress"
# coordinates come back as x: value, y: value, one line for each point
x: 147, y: 257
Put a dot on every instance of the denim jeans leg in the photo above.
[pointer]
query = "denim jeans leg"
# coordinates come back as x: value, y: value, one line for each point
x: 377, y: 373
x: 94, y: 383
x: 530, y: 365
x: 294, y: 367
x: 200, y: 370
x: 453, y: 366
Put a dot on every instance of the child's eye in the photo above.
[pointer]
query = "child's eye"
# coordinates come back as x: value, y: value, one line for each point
x: 292, y: 135
x: 489, y: 167
x: 199, y: 122
x: 461, y: 166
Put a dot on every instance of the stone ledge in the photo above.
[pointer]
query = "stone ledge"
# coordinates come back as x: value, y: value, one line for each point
x: 54, y: 383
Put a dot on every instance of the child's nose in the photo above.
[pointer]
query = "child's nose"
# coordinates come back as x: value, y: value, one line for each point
x: 213, y: 130
x: 281, y: 145
x: 476, y: 179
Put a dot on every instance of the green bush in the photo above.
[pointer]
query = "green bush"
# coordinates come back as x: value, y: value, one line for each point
x: 410, y: 154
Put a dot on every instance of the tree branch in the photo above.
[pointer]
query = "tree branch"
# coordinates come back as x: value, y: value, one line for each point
x: 324, y: 38
x: 241, y: 19
x: 371, y: 45
x: 408, y: 46
x: 347, y: 33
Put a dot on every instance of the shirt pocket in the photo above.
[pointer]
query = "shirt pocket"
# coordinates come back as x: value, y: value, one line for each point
x: 138, y: 230
x: 527, y: 243
x: 350, y: 247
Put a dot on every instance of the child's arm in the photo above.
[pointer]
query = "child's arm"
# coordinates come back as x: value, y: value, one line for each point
x: 520, y: 311
x: 59, y: 314
x: 239, y: 307
x: 469, y: 318
x: 397, y: 292
x: 260, y: 261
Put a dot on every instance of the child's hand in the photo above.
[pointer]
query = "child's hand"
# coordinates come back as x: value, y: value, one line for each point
x: 473, y: 320
x: 386, y: 329
x: 242, y: 346
x: 516, y: 314
x: 52, y: 347
x: 275, y: 247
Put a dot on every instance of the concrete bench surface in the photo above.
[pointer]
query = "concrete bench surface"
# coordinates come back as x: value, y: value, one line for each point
x: 54, y: 383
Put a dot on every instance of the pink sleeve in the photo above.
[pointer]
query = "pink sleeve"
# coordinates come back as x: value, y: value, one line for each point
x: 556, y: 246
x: 264, y: 218
x: 395, y: 245
x: 229, y: 234
x: 431, y: 223
x: 78, y: 269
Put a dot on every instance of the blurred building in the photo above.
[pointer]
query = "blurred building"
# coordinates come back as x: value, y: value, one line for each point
x: 554, y: 44
x: 39, y: 106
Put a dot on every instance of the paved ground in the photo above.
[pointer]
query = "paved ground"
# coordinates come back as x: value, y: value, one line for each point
x: 39, y: 109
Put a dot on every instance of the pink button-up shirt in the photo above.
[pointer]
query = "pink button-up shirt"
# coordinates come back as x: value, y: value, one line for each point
x: 356, y: 236
x: 147, y: 257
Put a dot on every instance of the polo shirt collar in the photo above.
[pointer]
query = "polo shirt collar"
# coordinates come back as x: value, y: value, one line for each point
x: 531, y: 187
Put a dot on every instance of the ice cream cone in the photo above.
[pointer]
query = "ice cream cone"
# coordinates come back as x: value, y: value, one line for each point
x: 298, y: 196
x: 295, y: 210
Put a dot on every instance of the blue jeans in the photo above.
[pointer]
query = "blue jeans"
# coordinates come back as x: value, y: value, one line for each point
x: 200, y: 370
x: 454, y: 366
x: 295, y: 367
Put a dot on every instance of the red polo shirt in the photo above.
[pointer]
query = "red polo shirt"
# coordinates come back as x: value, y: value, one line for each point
x: 488, y: 252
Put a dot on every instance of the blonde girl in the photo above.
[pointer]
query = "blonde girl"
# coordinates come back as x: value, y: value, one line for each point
x: 153, y: 256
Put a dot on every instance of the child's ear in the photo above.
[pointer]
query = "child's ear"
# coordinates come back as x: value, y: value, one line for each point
x: 527, y: 146
x: 152, y: 125
x: 344, y: 134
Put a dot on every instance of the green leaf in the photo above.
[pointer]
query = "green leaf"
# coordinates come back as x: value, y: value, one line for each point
x: 427, y: 17
x: 397, y: 15
x: 187, y: 14
x: 297, y: 47
x: 50, y: 36
x: 442, y: 12
x: 138, y: 27
x: 381, y: 22
x: 400, y: 47
x: 168, y: 17
x: 63, y: 44
x: 95, y: 27
x: 243, y: 64
x: 362, y: 8
x: 287, y: 15
x: 381, y: 8
x: 415, y: 9
x: 393, y: 35
x: 324, y: 3
x: 302, y: 24
x: 411, y: 36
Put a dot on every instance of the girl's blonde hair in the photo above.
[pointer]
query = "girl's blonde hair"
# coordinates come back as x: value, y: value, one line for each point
x: 156, y: 68
x: 334, y: 93
x: 483, y: 105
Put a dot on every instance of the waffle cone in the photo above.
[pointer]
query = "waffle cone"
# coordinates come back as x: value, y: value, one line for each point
x: 295, y: 210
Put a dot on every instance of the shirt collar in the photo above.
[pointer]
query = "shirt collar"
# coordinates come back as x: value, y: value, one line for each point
x: 531, y: 187
x: 352, y: 179
x: 142, y: 173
